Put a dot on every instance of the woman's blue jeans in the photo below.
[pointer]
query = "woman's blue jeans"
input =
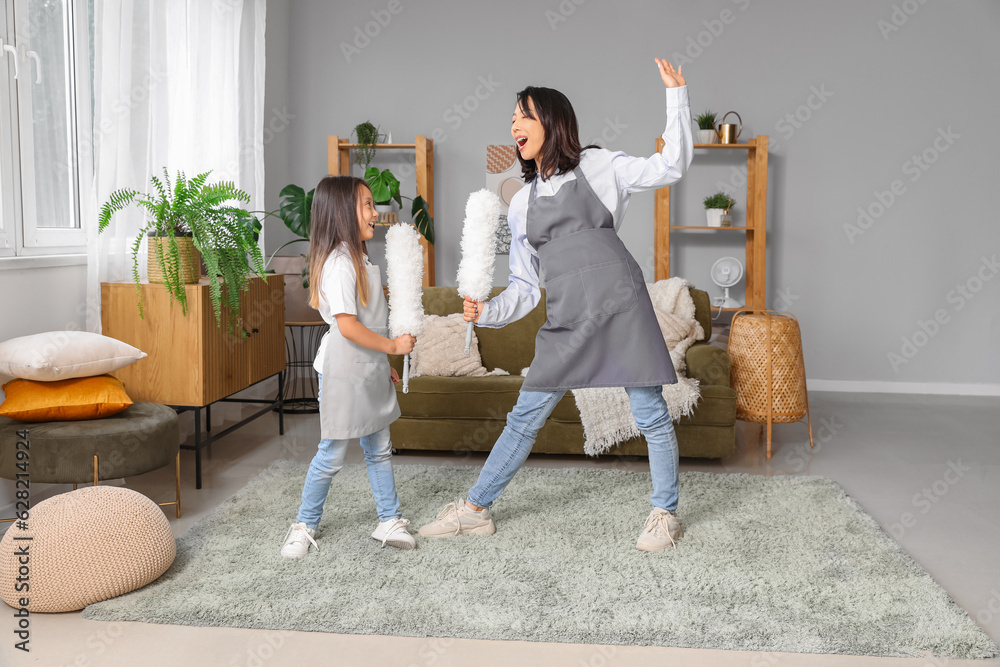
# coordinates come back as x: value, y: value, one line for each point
x: 329, y: 460
x: 529, y: 415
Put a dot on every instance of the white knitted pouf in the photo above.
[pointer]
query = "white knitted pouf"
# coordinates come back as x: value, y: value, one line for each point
x: 87, y: 545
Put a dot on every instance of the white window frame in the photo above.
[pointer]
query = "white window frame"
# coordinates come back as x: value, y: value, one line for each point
x: 20, y: 234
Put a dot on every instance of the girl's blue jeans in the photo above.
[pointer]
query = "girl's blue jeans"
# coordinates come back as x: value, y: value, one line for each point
x: 329, y: 460
x: 529, y: 415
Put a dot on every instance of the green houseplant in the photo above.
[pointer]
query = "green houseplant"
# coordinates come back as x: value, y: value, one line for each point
x: 367, y: 135
x: 385, y: 187
x: 295, y: 210
x: 717, y: 209
x: 224, y: 234
x: 706, y: 128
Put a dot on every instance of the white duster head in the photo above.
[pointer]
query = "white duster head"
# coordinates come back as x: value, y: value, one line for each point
x: 405, y: 267
x: 479, y: 245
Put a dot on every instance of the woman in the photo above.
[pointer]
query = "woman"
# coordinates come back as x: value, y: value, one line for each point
x: 601, y: 330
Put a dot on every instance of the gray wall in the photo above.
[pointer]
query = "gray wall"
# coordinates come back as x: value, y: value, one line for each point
x: 849, y: 93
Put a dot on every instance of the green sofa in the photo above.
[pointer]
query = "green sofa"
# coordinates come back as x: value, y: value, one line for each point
x: 467, y: 414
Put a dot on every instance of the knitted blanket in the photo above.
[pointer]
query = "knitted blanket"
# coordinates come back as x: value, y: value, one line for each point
x: 605, y: 412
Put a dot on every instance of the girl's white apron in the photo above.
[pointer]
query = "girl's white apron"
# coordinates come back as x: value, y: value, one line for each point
x: 357, y: 396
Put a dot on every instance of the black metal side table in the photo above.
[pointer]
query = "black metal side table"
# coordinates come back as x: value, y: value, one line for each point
x: 302, y: 340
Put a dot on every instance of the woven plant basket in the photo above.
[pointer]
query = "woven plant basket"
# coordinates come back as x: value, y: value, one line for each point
x: 768, y: 370
x: 190, y: 259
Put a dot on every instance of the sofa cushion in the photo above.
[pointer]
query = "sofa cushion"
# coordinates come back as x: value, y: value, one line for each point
x: 494, y: 397
x: 511, y: 347
x: 440, y: 349
x: 460, y: 397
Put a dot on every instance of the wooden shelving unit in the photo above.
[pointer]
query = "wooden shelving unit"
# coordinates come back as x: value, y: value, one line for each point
x: 339, y: 163
x: 755, y: 229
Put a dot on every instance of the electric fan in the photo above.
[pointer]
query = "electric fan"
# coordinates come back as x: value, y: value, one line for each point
x: 726, y: 272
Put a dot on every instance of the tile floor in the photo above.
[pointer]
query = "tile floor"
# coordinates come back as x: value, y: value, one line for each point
x: 892, y: 453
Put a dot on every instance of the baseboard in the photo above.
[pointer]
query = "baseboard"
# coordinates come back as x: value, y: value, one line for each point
x: 876, y: 387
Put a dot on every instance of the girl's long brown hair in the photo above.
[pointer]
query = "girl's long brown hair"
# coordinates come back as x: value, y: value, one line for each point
x: 334, y: 220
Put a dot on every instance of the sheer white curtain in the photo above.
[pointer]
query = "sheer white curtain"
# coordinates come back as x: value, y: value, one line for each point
x: 177, y: 84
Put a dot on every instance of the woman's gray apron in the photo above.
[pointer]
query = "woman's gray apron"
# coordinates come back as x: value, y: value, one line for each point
x: 601, y: 330
x: 357, y: 397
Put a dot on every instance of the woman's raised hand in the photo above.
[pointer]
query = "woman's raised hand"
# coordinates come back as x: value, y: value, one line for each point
x: 671, y: 78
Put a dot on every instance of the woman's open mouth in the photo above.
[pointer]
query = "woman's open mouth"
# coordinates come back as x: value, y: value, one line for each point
x: 521, y: 141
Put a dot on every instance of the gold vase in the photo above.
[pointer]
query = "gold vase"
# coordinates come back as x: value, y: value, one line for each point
x: 190, y: 259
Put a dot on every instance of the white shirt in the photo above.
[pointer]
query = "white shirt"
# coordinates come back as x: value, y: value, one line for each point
x: 338, y: 293
x: 614, y: 176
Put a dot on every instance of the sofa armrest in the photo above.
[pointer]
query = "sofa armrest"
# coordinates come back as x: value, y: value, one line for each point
x: 708, y: 364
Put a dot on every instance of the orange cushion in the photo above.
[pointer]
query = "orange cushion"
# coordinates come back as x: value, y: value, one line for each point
x: 64, y: 400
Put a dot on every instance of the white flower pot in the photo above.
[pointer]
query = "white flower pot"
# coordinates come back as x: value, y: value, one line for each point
x: 707, y: 137
x: 715, y: 216
x: 383, y: 211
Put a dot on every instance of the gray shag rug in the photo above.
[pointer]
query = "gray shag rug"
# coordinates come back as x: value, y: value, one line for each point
x: 786, y: 564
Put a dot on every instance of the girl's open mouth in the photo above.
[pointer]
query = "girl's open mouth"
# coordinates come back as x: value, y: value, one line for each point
x: 521, y: 141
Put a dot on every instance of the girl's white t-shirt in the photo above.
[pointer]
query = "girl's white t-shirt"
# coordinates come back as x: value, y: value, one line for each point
x: 338, y: 293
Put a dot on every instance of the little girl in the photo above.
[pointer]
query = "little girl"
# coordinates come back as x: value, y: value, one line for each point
x: 357, y: 399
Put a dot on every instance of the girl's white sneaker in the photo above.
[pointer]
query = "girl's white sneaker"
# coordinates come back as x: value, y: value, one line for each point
x: 297, y: 541
x: 394, y: 533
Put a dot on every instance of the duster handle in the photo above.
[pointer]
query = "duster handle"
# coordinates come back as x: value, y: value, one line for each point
x: 468, y: 337
x: 406, y: 373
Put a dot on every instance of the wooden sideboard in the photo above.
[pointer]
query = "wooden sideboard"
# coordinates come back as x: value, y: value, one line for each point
x: 193, y: 362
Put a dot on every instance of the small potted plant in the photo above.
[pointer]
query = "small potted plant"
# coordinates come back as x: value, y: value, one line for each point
x: 385, y: 188
x: 367, y: 135
x: 188, y: 218
x: 706, y: 128
x: 717, y: 209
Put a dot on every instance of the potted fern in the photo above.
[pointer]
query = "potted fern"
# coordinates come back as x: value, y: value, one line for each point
x: 706, y: 128
x: 717, y: 208
x: 190, y: 221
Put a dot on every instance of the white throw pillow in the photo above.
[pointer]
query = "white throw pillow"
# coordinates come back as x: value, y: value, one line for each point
x: 61, y: 355
x: 440, y: 350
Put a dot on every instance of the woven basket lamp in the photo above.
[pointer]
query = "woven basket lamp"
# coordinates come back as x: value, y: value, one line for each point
x: 768, y: 371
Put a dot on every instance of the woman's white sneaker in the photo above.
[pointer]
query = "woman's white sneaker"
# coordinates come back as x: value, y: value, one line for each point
x: 297, y: 541
x: 394, y: 533
x: 457, y: 519
x: 662, y: 530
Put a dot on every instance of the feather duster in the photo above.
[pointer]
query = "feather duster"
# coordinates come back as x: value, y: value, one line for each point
x: 405, y: 269
x: 479, y: 246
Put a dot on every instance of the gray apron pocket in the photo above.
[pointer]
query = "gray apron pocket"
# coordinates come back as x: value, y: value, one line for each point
x: 595, y: 291
x: 610, y: 288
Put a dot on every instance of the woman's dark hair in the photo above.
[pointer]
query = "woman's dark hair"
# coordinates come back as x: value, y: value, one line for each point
x: 334, y: 220
x: 561, y: 151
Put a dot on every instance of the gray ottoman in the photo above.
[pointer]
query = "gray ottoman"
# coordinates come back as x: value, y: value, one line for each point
x: 142, y: 438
